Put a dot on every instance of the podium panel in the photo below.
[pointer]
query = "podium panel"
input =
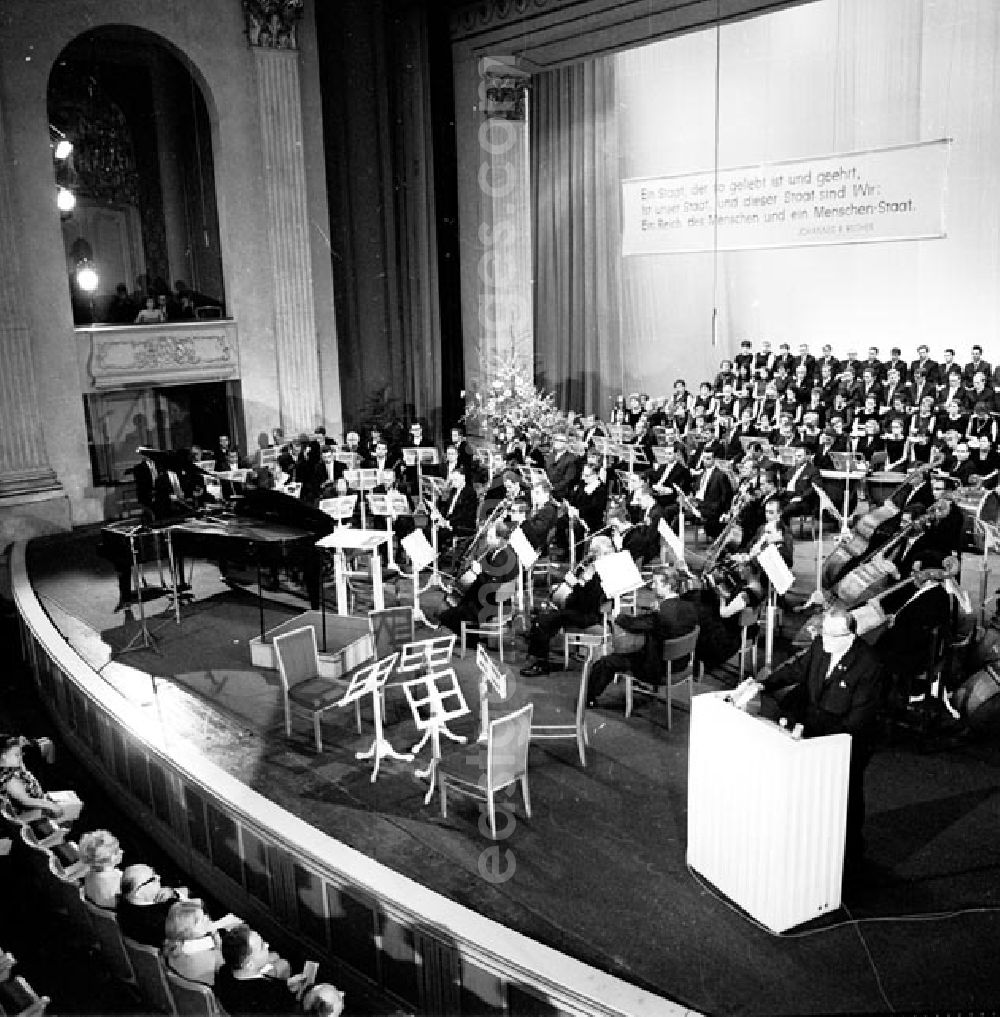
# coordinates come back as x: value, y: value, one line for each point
x: 767, y: 813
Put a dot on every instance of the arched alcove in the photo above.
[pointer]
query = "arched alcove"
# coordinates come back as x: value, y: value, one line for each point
x: 137, y: 187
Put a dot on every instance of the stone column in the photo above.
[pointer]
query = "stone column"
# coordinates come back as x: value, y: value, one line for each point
x: 24, y: 464
x: 273, y: 41
x: 504, y: 274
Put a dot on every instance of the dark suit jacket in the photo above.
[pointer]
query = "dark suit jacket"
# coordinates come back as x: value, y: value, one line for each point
x: 718, y: 494
x: 846, y: 702
x: 674, y: 617
x: 144, y: 923
x: 462, y: 517
x: 537, y: 526
x: 642, y: 541
x: 562, y: 473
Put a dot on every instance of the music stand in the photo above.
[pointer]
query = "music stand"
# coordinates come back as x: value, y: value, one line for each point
x: 391, y: 505
x: 604, y: 446
x: 349, y: 460
x: 532, y: 475
x: 527, y: 555
x: 780, y: 580
x: 434, y: 700
x: 143, y: 638
x: 490, y: 677
x: 422, y: 554
x: 369, y: 681
x: 847, y: 466
x: 340, y: 507
x: 621, y: 433
x: 364, y: 480
x: 635, y: 455
x: 420, y: 457
x: 659, y: 454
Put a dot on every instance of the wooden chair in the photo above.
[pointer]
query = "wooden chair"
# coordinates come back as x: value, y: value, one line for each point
x: 150, y: 975
x: 67, y: 898
x: 554, y: 720
x: 192, y: 999
x: 302, y: 686
x: 109, y: 938
x: 390, y: 629
x: 507, y: 746
x: 493, y: 627
x: 673, y: 649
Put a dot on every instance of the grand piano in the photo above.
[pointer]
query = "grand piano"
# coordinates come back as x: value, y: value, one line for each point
x: 267, y: 529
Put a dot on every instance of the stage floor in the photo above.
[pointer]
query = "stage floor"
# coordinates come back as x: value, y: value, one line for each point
x: 599, y: 870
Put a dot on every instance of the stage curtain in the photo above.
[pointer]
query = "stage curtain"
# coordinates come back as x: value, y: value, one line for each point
x: 576, y: 234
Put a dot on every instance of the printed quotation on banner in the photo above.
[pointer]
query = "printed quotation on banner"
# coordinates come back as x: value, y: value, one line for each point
x: 862, y: 197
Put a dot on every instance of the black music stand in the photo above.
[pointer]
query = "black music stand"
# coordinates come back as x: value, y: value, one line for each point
x: 143, y: 639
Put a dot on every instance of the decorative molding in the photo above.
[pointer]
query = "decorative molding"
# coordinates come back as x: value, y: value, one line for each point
x: 273, y: 24
x: 488, y: 13
x: 163, y: 355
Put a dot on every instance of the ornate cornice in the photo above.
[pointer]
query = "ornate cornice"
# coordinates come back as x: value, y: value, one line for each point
x: 272, y: 24
x: 475, y: 17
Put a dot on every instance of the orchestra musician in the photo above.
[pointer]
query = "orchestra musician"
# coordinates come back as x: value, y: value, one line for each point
x: 455, y: 512
x: 798, y: 494
x: 641, y: 540
x: 581, y: 609
x: 774, y: 530
x: 411, y: 474
x: 832, y: 687
x: 713, y: 493
x: 562, y: 467
x: 670, y: 478
x: 478, y: 602
x: 541, y: 521
x: 672, y: 618
x: 585, y: 508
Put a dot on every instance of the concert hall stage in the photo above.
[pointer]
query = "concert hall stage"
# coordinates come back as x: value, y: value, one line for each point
x: 599, y: 870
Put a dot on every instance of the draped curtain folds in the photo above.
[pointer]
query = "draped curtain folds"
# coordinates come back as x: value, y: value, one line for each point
x: 576, y: 234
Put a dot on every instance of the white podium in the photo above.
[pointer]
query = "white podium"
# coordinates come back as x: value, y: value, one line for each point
x: 767, y: 813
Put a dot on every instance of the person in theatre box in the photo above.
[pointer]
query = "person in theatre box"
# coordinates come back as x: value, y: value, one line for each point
x: 672, y: 618
x: 20, y: 789
x: 144, y: 904
x: 834, y: 686
x: 103, y: 855
x: 582, y: 609
x: 254, y: 979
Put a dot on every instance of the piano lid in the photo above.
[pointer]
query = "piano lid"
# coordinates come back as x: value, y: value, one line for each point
x: 274, y: 506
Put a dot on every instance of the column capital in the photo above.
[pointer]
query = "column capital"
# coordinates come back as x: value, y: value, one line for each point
x: 273, y: 24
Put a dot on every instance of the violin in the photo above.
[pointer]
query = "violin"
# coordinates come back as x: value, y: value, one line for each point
x: 571, y: 580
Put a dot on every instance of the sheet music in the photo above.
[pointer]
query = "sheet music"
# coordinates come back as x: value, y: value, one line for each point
x: 673, y: 541
x: 619, y: 574
x: 775, y: 569
x: 526, y: 554
x: 419, y: 549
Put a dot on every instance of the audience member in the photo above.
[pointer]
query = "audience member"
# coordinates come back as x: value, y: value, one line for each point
x: 103, y: 854
x: 144, y: 904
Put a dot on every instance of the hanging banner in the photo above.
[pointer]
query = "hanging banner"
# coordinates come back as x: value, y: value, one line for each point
x: 861, y: 197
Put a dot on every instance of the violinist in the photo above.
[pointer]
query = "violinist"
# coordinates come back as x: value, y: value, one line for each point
x: 672, y: 618
x: 581, y: 608
x: 987, y: 463
x: 773, y: 531
x: 478, y: 601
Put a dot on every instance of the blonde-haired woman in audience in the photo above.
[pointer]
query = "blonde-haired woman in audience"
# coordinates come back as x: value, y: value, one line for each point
x: 191, y: 947
x: 102, y: 852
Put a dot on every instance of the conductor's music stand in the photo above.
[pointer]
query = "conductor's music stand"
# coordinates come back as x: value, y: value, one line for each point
x: 369, y: 681
x: 391, y: 506
x: 434, y: 700
x: 490, y: 677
